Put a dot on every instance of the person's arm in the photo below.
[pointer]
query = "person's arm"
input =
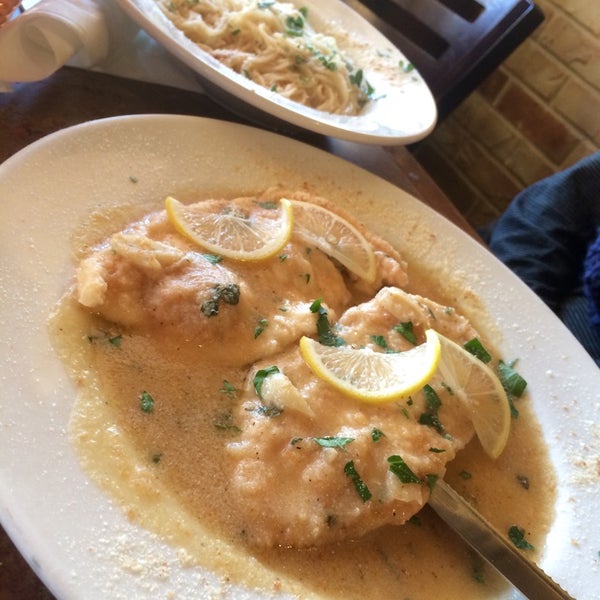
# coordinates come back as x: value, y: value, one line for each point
x: 544, y: 234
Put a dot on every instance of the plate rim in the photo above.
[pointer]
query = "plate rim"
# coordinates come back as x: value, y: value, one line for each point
x: 151, y: 120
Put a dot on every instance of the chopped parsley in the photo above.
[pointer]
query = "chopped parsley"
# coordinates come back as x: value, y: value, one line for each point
x: 228, y: 293
x: 105, y: 336
x: 333, y: 441
x: 260, y: 327
x: 512, y: 382
x: 399, y: 468
x: 360, y: 486
x: 379, y: 340
x: 228, y: 389
x: 477, y: 349
x: 224, y: 422
x: 325, y: 331
x: 406, y: 330
x: 516, y: 535
x: 328, y: 61
x: 294, y: 26
x: 477, y: 567
x: 260, y: 377
x: 356, y: 77
x: 268, y: 204
x: 432, y: 404
x: 146, y: 402
x: 376, y: 434
x: 514, y: 385
x: 431, y: 480
x: 213, y: 258
x: 115, y: 340
x: 268, y: 411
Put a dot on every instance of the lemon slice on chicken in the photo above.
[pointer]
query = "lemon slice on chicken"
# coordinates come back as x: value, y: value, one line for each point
x: 371, y: 376
x: 377, y: 377
x: 231, y: 233
x: 480, y: 391
x: 336, y: 237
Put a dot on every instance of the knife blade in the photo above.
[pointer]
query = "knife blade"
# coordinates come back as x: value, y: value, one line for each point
x: 497, y: 550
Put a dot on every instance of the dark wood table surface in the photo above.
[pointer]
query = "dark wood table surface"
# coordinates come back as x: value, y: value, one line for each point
x: 72, y: 96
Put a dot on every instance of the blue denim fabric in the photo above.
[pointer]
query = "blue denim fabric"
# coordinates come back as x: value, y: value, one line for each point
x: 548, y: 236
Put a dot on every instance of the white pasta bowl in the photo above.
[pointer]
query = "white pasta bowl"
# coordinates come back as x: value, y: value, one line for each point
x: 402, y: 110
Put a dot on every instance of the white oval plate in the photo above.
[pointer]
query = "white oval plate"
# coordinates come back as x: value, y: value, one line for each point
x: 404, y: 112
x: 78, y: 542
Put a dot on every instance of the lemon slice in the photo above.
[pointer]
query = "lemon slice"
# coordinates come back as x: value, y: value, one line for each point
x: 480, y: 391
x: 336, y: 237
x: 371, y: 376
x: 230, y: 233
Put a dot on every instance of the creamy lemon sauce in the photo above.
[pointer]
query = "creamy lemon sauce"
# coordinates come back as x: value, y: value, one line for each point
x: 166, y: 467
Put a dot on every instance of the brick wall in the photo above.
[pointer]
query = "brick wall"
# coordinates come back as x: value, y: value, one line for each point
x: 535, y: 115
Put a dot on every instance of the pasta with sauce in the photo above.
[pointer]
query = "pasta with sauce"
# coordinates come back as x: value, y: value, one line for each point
x: 274, y: 45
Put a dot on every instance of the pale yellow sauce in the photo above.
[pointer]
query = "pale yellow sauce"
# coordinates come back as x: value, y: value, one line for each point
x: 167, y: 469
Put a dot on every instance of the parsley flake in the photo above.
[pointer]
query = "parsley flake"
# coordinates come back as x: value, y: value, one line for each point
x: 228, y: 389
x: 477, y: 349
x: 361, y: 487
x: 376, y: 434
x: 325, y: 331
x: 213, y: 259
x: 115, y: 341
x: 333, y: 441
x: 294, y: 26
x: 228, y: 293
x: 399, y: 468
x: 406, y: 330
x: 430, y: 416
x: 516, y: 535
x: 260, y: 327
x: 260, y: 377
x: 146, y: 402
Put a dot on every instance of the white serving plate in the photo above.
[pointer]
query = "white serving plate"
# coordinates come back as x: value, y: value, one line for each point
x: 76, y: 540
x: 404, y: 113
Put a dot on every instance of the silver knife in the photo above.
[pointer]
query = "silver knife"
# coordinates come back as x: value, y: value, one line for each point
x: 524, y: 574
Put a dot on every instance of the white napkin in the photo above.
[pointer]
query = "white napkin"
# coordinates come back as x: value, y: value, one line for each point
x: 92, y: 34
x: 54, y: 32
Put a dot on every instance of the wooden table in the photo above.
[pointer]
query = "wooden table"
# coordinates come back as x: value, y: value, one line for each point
x: 72, y: 96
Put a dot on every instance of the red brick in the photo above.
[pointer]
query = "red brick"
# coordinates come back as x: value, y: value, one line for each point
x: 573, y: 46
x: 492, y: 86
x: 538, y: 124
x: 537, y: 70
x: 580, y: 104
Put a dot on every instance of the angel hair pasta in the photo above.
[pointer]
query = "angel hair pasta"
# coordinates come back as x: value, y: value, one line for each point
x: 273, y: 44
